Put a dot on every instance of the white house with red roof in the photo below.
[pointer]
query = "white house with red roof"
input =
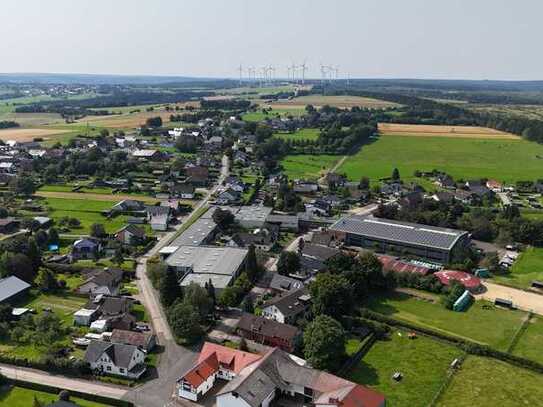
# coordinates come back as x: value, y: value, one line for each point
x: 257, y: 380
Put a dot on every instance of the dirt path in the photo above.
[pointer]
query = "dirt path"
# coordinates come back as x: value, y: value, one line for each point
x: 523, y: 300
x: 334, y: 168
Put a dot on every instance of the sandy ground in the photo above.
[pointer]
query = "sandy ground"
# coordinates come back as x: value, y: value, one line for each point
x: 29, y: 134
x: 523, y: 300
x: 423, y: 130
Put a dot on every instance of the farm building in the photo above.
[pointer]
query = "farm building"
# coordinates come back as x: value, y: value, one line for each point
x: 11, y: 288
x: 469, y: 281
x: 436, y: 244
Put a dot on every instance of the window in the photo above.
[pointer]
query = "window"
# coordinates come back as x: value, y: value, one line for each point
x: 121, y: 370
x: 108, y: 368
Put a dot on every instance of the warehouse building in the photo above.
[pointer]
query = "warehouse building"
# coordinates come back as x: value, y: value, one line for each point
x: 435, y: 244
x: 200, y: 264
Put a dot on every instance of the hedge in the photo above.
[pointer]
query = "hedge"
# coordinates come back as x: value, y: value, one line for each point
x: 52, y: 365
x: 467, y: 345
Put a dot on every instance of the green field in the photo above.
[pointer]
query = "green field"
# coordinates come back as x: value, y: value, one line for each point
x: 485, y: 382
x: 495, y: 327
x: 302, y: 134
x: 308, y: 166
x: 531, y: 340
x: 21, y: 397
x: 422, y: 361
x: 259, y: 115
x: 504, y: 160
x: 528, y: 267
x: 87, y: 211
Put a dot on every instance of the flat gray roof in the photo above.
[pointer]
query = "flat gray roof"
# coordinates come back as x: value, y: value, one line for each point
x: 196, y: 233
x: 11, y: 286
x: 253, y: 213
x: 401, y: 232
x: 217, y: 263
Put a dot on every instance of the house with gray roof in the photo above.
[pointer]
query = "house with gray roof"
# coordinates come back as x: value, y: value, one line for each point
x: 287, y: 307
x: 116, y: 359
x: 436, y: 244
x: 12, y: 287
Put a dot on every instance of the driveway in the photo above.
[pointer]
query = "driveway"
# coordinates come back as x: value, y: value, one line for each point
x: 523, y: 300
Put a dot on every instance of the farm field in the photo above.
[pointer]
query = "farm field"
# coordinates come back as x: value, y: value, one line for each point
x: 124, y: 121
x: 87, y: 211
x: 303, y: 134
x: 422, y: 361
x: 34, y: 119
x: 527, y: 268
x: 19, y: 134
x: 529, y: 344
x: 96, y: 196
x: 422, y: 130
x: 275, y: 112
x: 495, y: 327
x: 344, y: 102
x: 308, y: 166
x: 485, y: 382
x: 462, y: 158
x: 22, y: 397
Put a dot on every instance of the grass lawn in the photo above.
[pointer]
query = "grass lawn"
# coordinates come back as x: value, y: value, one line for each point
x: 308, y: 166
x: 258, y: 116
x: 303, y: 134
x: 21, y: 397
x: 527, y: 268
x: 128, y: 265
x: 529, y: 344
x: 87, y: 211
x: 495, y: 327
x: 461, y: 158
x: 485, y: 382
x: 422, y: 361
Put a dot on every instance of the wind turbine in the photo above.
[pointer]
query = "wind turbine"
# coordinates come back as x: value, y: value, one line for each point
x: 304, y: 68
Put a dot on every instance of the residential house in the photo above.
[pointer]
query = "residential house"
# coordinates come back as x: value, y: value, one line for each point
x: 184, y: 190
x: 260, y: 380
x: 147, y: 155
x: 289, y: 307
x: 333, y: 179
x: 261, y: 239
x: 268, y: 332
x: 86, y: 248
x: 105, y: 282
x: 494, y: 186
x: 130, y: 235
x: 282, y: 284
x: 314, y: 257
x: 197, y: 175
x: 228, y: 197
x: 129, y: 206
x: 11, y: 288
x: 305, y: 187
x: 445, y: 181
x: 144, y: 340
x: 158, y: 217
x: 9, y: 225
x: 116, y: 359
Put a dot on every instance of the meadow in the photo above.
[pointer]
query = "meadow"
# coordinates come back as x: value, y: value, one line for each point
x: 495, y: 327
x: 275, y: 112
x: 302, y: 134
x: 527, y: 268
x: 486, y: 382
x: 22, y: 397
x: 529, y: 343
x: 86, y: 211
x: 305, y: 166
x: 462, y: 158
x: 422, y: 361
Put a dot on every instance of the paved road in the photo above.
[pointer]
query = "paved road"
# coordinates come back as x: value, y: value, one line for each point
x: 80, y: 385
x: 521, y: 299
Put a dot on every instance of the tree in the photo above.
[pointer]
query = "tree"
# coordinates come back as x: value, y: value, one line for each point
x: 154, y: 122
x: 184, y: 321
x: 230, y: 296
x: 118, y: 257
x: 97, y: 230
x: 169, y: 288
x: 53, y: 237
x: 22, y: 185
x: 41, y: 238
x: 364, y: 183
x: 251, y: 265
x: 211, y: 292
x: 288, y: 263
x: 198, y: 297
x: 223, y: 218
x: 324, y: 343
x: 17, y: 264
x: 395, y: 174
x: 331, y: 294
x: 247, y: 305
x: 46, y: 280
x: 373, y: 269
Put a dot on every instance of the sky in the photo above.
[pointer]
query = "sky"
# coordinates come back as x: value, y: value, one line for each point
x: 445, y: 39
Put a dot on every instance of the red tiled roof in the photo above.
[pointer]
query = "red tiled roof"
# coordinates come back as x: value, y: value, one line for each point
x: 202, y: 371
x: 234, y: 359
x: 361, y: 396
x: 398, y: 266
x: 467, y: 280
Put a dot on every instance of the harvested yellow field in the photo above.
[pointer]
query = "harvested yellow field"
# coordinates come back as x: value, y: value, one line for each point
x: 125, y: 120
x: 22, y: 135
x: 342, y: 102
x: 95, y: 196
x: 424, y: 130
